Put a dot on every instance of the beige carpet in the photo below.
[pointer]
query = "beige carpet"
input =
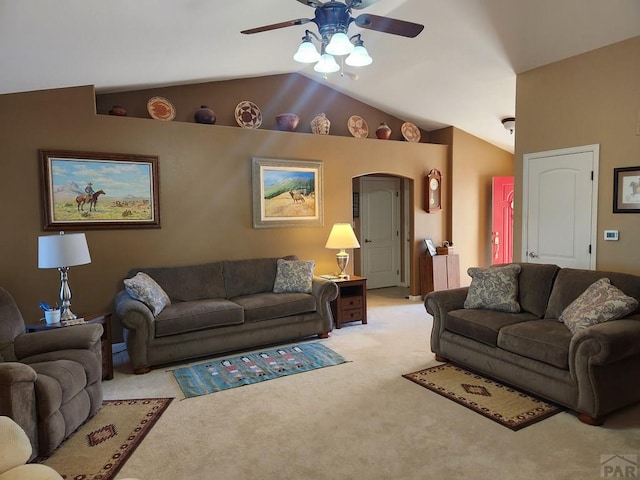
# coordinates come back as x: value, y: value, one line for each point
x: 99, y: 448
x: 359, y: 421
x: 507, y: 406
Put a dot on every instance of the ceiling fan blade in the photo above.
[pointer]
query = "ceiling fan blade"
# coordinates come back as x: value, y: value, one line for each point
x: 274, y: 26
x: 358, y: 4
x: 388, y: 25
x: 312, y: 3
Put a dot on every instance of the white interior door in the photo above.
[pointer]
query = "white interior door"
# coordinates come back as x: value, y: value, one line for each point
x: 380, y: 223
x: 560, y: 192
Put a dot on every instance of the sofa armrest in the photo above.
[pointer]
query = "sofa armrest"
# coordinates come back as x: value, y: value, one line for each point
x: 140, y: 328
x: 78, y: 337
x: 438, y: 304
x: 606, y: 343
x: 324, y: 292
x: 18, y: 397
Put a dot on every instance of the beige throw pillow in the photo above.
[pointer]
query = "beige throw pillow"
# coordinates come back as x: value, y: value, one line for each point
x: 494, y: 288
x: 145, y: 289
x: 599, y: 303
x: 294, y: 276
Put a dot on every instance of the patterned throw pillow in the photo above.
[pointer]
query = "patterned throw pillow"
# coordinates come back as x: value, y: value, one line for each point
x: 599, y: 303
x: 294, y: 276
x: 494, y: 288
x: 145, y: 289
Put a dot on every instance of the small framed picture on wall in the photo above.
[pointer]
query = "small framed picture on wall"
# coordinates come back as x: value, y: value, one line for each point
x: 626, y: 190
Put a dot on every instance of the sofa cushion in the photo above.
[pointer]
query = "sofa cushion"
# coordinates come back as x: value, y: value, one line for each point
x: 599, y: 303
x: 145, y: 289
x: 246, y: 277
x: 191, y: 282
x: 482, y: 325
x: 542, y: 340
x: 197, y: 315
x: 534, y: 286
x: 494, y: 288
x: 570, y: 283
x: 294, y: 276
x: 265, y: 306
x: 57, y: 383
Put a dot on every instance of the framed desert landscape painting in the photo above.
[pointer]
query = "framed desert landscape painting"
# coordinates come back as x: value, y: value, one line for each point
x: 89, y: 190
x: 286, y: 193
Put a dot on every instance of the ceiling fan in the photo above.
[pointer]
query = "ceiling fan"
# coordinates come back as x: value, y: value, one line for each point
x: 333, y: 20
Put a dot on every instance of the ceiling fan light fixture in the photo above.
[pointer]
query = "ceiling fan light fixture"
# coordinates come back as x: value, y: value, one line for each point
x: 307, y: 53
x: 359, y: 57
x: 339, y: 44
x: 326, y: 64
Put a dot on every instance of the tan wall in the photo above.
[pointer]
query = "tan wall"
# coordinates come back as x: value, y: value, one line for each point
x: 592, y: 98
x: 472, y: 164
x: 205, y: 192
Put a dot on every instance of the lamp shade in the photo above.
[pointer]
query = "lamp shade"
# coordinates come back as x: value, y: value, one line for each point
x: 339, y: 44
x: 327, y: 64
x: 342, y: 236
x: 55, y: 251
x: 359, y: 57
x: 307, y: 53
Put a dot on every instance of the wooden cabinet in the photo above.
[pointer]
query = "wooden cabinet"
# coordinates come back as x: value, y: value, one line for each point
x: 351, y: 303
x: 440, y: 272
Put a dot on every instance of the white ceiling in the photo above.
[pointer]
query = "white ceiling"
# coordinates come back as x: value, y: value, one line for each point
x: 460, y: 71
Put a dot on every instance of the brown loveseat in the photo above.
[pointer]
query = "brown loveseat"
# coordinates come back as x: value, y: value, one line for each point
x: 221, y: 307
x: 592, y: 372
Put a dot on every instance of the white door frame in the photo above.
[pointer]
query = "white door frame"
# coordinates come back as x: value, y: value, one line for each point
x: 527, y: 157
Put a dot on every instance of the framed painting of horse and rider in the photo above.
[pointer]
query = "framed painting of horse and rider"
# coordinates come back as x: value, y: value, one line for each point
x: 92, y: 191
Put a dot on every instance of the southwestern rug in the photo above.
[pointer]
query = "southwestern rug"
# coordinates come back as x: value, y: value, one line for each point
x: 100, y: 447
x: 229, y: 372
x: 500, y: 403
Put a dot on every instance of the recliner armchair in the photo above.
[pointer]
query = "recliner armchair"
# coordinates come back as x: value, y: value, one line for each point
x: 50, y: 381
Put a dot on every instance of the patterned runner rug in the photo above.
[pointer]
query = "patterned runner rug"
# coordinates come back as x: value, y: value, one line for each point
x: 100, y: 447
x: 230, y: 372
x: 505, y: 405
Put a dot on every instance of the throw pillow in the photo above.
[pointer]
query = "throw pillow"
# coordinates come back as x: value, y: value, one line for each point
x: 599, y: 303
x: 294, y: 276
x: 494, y: 288
x: 145, y: 289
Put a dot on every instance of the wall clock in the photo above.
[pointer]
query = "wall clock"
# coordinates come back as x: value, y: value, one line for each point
x: 433, y: 191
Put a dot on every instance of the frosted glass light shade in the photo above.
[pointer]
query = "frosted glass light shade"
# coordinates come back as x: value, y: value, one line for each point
x: 339, y: 44
x: 327, y: 64
x: 55, y: 251
x: 307, y: 53
x: 359, y: 57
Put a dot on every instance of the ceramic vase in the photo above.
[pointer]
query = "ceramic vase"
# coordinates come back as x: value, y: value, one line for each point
x: 383, y: 132
x: 118, y: 111
x: 205, y: 115
x: 320, y: 124
x: 287, y: 122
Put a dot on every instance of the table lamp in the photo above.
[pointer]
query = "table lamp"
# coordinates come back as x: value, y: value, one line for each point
x: 61, y: 252
x: 341, y: 237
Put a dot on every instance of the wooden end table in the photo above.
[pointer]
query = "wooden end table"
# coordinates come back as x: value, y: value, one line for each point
x: 103, y: 319
x: 351, y: 303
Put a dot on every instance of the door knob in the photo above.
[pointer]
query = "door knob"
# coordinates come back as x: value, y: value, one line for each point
x: 533, y: 254
x: 366, y: 240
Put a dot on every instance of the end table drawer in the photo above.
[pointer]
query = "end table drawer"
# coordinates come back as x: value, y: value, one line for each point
x: 353, y: 315
x: 352, y: 302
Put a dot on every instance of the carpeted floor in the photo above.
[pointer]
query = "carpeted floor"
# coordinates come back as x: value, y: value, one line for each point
x: 507, y: 406
x: 360, y: 420
x: 99, y: 448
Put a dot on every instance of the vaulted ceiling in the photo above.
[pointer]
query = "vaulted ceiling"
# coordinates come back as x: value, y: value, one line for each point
x: 460, y: 71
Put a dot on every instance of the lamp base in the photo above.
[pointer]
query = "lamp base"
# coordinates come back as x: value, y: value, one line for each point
x: 342, y: 258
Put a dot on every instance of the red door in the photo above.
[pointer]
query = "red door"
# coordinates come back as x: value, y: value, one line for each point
x: 502, y: 220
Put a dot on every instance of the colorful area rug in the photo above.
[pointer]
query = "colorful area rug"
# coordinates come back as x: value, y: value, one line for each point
x: 505, y: 405
x: 100, y: 447
x: 230, y: 372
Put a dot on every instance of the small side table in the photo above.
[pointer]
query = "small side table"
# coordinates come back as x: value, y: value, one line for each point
x: 351, y: 303
x: 103, y: 319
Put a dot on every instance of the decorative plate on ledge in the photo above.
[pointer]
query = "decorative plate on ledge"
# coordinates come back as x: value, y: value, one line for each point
x: 410, y: 132
x: 358, y: 127
x: 248, y: 115
x: 161, y: 109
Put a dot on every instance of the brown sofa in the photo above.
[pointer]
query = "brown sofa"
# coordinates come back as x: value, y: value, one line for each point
x: 220, y: 307
x: 50, y: 381
x: 593, y: 372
